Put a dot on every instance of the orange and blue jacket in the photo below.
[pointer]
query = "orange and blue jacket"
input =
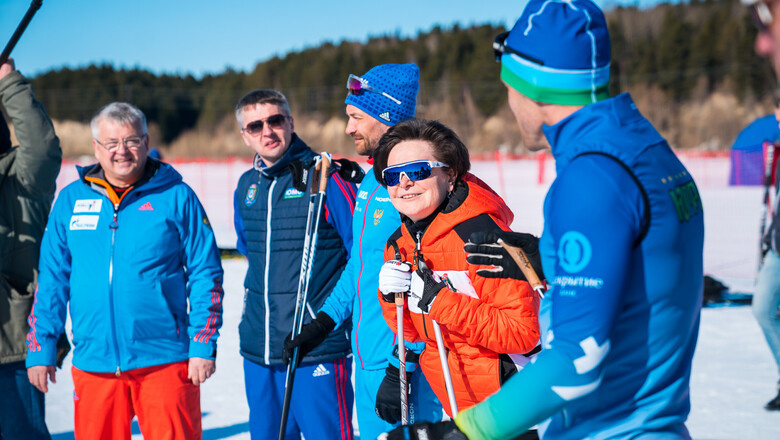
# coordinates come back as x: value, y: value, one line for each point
x: 483, y: 320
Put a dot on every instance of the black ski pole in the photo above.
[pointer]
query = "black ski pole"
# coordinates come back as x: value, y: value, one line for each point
x: 34, y: 6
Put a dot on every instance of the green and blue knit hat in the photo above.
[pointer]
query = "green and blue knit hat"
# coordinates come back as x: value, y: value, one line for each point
x: 558, y: 52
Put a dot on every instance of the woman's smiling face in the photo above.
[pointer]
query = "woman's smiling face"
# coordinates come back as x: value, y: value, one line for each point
x: 419, y: 199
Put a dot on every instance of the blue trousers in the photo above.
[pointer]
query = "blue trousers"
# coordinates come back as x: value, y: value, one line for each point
x: 766, y: 302
x: 423, y: 404
x: 320, y: 407
x: 22, y: 409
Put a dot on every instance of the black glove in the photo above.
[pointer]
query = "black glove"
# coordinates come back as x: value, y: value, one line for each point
x: 312, y: 335
x: 388, y: 398
x: 430, y: 290
x: 483, y: 249
x: 431, y: 431
x: 301, y: 172
x: 349, y: 170
x: 63, y: 348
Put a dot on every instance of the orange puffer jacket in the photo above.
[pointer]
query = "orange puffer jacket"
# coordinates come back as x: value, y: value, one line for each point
x: 483, y: 320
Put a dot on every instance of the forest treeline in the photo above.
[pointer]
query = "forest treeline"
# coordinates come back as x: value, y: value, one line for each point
x: 675, y: 57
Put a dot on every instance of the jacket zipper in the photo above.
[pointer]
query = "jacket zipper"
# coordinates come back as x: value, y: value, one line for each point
x: 113, y: 226
x: 266, y: 271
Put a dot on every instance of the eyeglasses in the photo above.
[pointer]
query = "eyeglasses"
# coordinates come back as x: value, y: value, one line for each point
x: 357, y: 85
x: 499, y: 48
x: 761, y: 15
x: 256, y: 127
x: 131, y: 143
x: 414, y: 171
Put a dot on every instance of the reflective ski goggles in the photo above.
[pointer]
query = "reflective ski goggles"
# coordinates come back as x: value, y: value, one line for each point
x: 357, y: 85
x: 499, y: 48
x: 414, y: 171
x: 761, y: 14
x: 256, y: 127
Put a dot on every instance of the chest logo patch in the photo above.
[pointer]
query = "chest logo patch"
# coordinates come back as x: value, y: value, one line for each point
x: 88, y: 205
x: 292, y: 193
x: 83, y: 222
x: 574, y: 252
x: 378, y: 213
x: 251, y: 195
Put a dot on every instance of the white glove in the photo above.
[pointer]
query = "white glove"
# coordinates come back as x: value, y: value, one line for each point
x: 395, y: 276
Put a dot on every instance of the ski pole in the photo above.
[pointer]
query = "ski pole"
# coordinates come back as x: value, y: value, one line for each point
x: 445, y: 366
x: 769, y: 157
x: 316, y: 202
x: 34, y: 6
x: 399, y: 316
x: 518, y: 254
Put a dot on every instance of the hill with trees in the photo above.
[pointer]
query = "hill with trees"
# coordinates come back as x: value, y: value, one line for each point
x: 690, y: 66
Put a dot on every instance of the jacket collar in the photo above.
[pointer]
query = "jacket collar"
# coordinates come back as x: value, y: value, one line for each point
x: 298, y: 150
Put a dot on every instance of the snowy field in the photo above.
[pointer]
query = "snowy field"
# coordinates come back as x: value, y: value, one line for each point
x: 733, y: 372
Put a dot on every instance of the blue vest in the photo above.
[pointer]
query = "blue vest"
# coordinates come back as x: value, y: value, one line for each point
x: 273, y: 217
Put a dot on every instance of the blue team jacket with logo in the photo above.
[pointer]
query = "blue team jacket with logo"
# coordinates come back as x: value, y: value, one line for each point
x: 270, y: 222
x: 622, y: 247
x: 126, y: 272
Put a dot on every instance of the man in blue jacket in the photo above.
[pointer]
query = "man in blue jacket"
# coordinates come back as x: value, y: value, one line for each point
x: 129, y: 251
x: 384, y: 96
x: 270, y: 222
x: 622, y: 248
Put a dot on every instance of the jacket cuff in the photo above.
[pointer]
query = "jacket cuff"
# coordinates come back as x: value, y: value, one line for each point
x: 205, y: 351
x: 46, y: 356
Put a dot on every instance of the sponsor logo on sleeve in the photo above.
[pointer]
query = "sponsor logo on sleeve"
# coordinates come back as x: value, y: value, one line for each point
x: 83, y: 222
x: 574, y: 252
x: 88, y: 205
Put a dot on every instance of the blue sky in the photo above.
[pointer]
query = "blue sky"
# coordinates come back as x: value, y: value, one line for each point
x: 199, y: 37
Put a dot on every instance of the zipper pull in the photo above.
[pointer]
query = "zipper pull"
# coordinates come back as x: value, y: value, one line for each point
x: 114, y: 224
x: 118, y: 373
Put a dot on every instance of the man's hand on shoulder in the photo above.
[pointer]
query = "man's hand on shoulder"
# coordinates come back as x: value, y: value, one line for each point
x: 7, y: 68
x: 39, y: 376
x: 200, y: 369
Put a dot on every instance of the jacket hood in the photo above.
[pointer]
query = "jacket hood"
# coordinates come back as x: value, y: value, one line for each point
x: 471, y: 198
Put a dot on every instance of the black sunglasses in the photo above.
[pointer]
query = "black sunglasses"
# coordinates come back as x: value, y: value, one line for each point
x: 499, y: 48
x: 256, y: 127
x: 761, y: 15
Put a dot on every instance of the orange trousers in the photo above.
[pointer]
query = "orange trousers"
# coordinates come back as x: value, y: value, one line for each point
x: 166, y: 402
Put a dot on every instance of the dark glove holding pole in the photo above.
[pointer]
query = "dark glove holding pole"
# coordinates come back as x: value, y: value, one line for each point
x: 483, y: 249
x: 349, y: 170
x: 312, y: 335
x: 388, y: 405
x: 430, y: 290
x: 430, y: 431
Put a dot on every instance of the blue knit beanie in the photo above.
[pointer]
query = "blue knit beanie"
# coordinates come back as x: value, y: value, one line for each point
x: 564, y: 53
x: 400, y: 81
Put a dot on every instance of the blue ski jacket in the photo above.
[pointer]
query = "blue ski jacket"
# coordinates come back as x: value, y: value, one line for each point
x: 270, y: 221
x: 127, y: 268
x: 622, y: 245
x: 354, y: 296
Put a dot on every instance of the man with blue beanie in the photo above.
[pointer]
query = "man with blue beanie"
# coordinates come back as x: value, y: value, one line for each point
x: 384, y: 96
x: 622, y: 249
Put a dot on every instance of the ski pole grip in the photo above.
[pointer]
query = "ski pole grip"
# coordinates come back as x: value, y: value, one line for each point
x: 34, y: 6
x: 399, y: 299
x: 326, y: 160
x: 524, y: 263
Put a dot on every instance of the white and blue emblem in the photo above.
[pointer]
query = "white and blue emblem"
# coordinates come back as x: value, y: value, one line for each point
x: 251, y: 195
x: 574, y: 252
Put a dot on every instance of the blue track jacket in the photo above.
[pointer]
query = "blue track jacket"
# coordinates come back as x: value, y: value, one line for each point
x: 127, y: 271
x: 623, y: 246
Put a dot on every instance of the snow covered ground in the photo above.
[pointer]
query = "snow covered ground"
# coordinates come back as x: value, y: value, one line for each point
x: 733, y: 372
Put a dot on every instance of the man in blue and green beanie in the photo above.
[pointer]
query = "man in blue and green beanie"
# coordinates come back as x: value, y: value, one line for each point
x: 621, y: 249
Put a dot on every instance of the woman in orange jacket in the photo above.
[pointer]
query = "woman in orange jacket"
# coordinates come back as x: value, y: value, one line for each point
x: 489, y: 325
